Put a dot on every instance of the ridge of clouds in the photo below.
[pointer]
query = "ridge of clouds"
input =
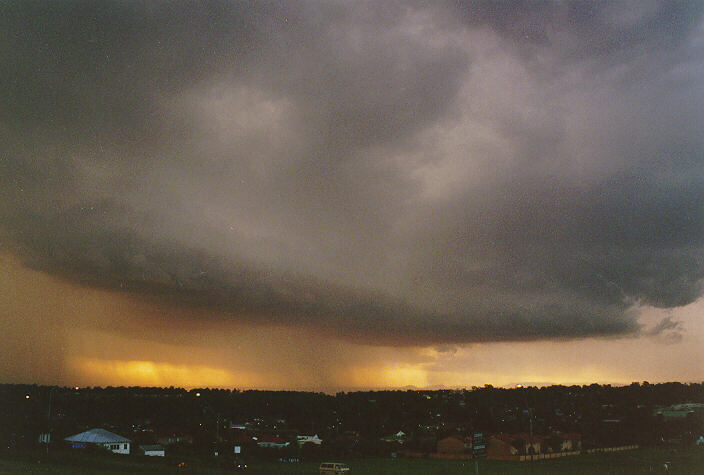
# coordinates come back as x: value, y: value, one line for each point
x: 396, y: 173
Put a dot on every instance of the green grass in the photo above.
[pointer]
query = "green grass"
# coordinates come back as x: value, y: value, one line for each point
x: 79, y: 463
x: 631, y: 462
x: 689, y: 461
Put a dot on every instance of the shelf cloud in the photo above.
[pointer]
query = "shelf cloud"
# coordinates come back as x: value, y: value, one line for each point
x: 394, y: 173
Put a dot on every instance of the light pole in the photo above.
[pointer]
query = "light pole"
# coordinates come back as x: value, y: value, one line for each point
x: 48, y: 422
x: 530, y: 424
x: 530, y: 435
x: 217, y: 428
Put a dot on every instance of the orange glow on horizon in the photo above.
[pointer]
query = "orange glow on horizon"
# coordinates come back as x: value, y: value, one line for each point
x: 74, y: 335
x: 152, y: 373
x: 387, y: 377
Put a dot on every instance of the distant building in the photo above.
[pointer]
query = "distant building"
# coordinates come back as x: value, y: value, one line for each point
x: 272, y: 441
x: 244, y: 439
x: 309, y: 439
x: 453, y: 445
x: 153, y: 450
x: 502, y: 445
x: 571, y: 441
x: 102, y: 438
x: 399, y: 437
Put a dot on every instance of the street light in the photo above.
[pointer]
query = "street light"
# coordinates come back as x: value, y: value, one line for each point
x: 530, y: 424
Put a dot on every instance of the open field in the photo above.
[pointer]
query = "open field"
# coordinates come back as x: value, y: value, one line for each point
x: 688, y: 461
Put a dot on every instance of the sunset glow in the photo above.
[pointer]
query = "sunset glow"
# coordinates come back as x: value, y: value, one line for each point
x: 333, y: 196
x: 150, y: 373
x: 97, y: 351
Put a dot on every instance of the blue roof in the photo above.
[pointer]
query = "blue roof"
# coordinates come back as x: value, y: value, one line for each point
x: 97, y: 436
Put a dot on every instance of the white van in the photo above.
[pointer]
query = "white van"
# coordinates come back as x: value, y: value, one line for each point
x: 331, y: 467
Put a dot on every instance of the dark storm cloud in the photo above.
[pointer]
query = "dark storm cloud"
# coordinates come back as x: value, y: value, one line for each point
x: 395, y: 172
x: 601, y: 29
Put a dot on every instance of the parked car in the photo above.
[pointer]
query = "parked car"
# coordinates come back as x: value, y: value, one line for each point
x: 328, y: 468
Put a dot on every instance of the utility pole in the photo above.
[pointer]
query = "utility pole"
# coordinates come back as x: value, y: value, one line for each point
x: 530, y: 424
x: 217, y: 415
x: 479, y: 449
x: 48, y: 422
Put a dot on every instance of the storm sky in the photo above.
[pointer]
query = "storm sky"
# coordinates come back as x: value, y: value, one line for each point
x: 420, y: 183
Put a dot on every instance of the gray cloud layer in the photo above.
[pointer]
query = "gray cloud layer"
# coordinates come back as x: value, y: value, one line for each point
x: 395, y: 172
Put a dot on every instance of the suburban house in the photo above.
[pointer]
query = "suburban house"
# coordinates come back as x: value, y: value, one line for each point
x: 570, y: 441
x: 155, y: 450
x: 308, y: 439
x: 101, y: 438
x: 272, y: 441
x: 454, y: 444
x: 502, y: 445
x: 399, y: 437
x: 244, y: 439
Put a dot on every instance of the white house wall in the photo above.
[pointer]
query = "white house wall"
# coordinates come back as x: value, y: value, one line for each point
x: 154, y: 453
x: 122, y: 448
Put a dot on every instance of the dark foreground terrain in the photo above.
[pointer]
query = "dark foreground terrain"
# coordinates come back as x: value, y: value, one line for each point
x: 372, y: 431
x: 651, y: 460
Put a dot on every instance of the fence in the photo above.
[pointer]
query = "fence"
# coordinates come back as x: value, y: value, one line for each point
x: 519, y: 458
x: 612, y: 449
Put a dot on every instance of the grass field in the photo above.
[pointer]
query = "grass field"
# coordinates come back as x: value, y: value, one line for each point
x: 690, y: 461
